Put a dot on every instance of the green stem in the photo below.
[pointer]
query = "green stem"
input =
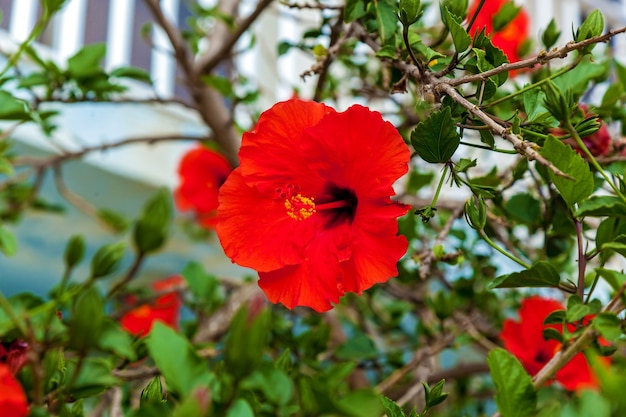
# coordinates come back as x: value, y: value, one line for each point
x: 441, y: 181
x: 475, y: 145
x: 34, y: 34
x: 502, y: 251
x: 593, y: 287
x: 6, y: 306
x: 405, y: 37
x: 592, y: 159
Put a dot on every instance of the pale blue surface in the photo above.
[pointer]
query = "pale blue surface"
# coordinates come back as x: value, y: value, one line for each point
x: 42, y: 236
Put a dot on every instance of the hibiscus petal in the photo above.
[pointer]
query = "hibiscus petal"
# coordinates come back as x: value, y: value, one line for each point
x: 358, y: 150
x: 376, y: 248
x: 255, y: 230
x: 270, y: 153
x: 577, y: 374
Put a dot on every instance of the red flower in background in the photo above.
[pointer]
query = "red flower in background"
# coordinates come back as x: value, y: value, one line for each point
x: 13, y: 401
x: 13, y: 355
x: 524, y: 339
x: 165, y: 308
x: 309, y: 207
x: 511, y: 37
x: 202, y: 172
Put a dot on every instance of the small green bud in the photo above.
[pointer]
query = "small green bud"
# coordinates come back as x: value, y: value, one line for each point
x: 107, y: 259
x: 74, y: 251
x: 153, y: 393
x: 550, y: 35
x: 456, y: 7
x: 476, y: 213
x: 409, y: 11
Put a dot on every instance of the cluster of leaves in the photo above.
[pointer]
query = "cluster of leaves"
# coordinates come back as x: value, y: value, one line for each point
x: 557, y: 223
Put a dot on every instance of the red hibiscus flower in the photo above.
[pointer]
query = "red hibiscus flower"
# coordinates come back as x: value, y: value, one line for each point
x: 164, y: 308
x: 511, y: 37
x: 309, y: 207
x: 13, y: 355
x: 524, y: 339
x: 202, y: 172
x: 12, y: 398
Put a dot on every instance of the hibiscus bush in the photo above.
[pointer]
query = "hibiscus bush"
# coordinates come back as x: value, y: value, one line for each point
x: 432, y: 225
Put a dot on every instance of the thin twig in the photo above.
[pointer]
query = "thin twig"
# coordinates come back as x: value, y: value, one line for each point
x: 48, y: 161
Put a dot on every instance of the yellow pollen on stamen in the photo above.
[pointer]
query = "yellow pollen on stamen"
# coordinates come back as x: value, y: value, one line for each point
x: 299, y: 207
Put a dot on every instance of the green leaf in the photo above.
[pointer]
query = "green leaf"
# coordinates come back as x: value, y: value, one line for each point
x: 134, y: 73
x: 360, y: 403
x: 600, y: 206
x: 576, y: 309
x: 53, y: 6
x: 617, y: 245
x: 113, y: 219
x: 386, y: 18
x: 204, y: 287
x: 566, y: 159
x: 359, y: 347
x: 524, y: 208
x: 391, y: 408
x: 460, y: 38
x: 591, y: 27
x: 246, y: 341
x: 505, y: 15
x: 273, y: 383
x: 87, y: 319
x: 106, y: 259
x: 436, y: 138
x: 515, y: 395
x: 177, y: 360
x: 354, y: 9
x: 152, y: 228
x: 8, y: 242
x: 12, y: 108
x: 94, y: 377
x: 114, y: 339
x: 240, y: 408
x: 613, y: 278
x: 86, y: 62
x: 609, y: 325
x: 541, y: 274
x: 387, y: 51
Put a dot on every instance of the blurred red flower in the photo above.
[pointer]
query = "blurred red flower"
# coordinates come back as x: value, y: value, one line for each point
x: 202, y: 172
x: 13, y: 355
x: 165, y: 308
x: 309, y: 207
x: 525, y: 340
x: 511, y: 37
x: 13, y: 401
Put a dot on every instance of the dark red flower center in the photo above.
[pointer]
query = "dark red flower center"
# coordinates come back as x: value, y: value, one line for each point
x: 337, y: 204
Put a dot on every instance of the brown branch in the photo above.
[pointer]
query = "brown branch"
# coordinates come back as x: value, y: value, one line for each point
x: 44, y: 162
x: 208, y: 101
x: 179, y: 45
x: 541, y: 58
x: 528, y: 149
x: 209, y: 61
